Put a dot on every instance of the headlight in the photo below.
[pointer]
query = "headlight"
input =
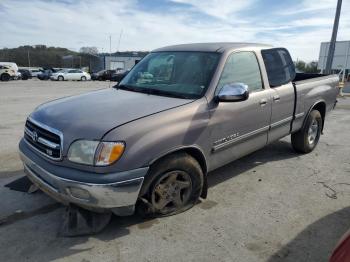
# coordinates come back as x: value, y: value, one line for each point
x: 95, y: 152
x: 83, y: 152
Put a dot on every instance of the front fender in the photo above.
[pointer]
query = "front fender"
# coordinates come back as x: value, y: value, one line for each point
x: 155, y: 136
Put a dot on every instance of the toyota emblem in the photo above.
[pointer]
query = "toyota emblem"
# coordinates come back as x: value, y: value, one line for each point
x: 35, y: 136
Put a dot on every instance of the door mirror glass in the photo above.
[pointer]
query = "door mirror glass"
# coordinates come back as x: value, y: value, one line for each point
x: 233, y: 93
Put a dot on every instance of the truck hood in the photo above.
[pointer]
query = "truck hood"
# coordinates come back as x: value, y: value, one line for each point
x: 91, y: 115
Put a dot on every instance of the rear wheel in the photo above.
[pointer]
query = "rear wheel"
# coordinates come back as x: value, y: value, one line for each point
x: 60, y: 78
x: 306, y: 139
x: 173, y: 185
x: 5, y: 77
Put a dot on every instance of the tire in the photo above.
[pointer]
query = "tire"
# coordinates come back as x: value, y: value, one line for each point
x: 5, y: 77
x: 306, y: 139
x: 172, y: 186
x: 100, y: 78
x: 60, y: 78
x: 83, y: 78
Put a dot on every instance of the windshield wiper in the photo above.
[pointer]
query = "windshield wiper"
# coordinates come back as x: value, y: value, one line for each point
x: 128, y: 88
x: 151, y: 91
x: 165, y: 93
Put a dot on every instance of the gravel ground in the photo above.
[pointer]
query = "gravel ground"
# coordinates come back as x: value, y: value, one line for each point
x: 273, y: 205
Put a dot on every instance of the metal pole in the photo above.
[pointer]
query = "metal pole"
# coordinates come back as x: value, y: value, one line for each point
x: 28, y: 58
x: 120, y: 36
x: 110, y: 45
x: 333, y: 39
x: 110, y: 51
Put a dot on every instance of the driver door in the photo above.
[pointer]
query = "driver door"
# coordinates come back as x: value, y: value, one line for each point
x: 239, y: 128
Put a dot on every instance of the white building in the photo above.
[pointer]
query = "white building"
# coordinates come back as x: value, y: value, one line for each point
x: 123, y: 60
x: 341, y: 58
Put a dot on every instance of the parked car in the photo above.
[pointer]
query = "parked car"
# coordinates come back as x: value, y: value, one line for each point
x: 18, y: 75
x: 11, y: 65
x: 118, y: 76
x: 14, y: 68
x: 35, y: 72
x: 6, y: 73
x: 180, y: 113
x: 70, y: 74
x: 103, y: 75
x: 25, y: 74
x: 45, y: 74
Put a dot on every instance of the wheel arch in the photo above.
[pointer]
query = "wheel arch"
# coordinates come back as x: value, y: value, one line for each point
x: 197, y: 154
x: 319, y: 106
x: 193, y: 151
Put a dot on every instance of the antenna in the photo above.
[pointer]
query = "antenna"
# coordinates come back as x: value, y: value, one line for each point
x: 120, y: 37
x: 110, y: 45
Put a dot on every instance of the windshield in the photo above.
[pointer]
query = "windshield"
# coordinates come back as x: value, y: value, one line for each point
x: 177, y: 74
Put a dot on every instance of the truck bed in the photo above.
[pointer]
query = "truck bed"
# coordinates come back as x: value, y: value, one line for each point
x: 306, y: 76
x: 312, y: 88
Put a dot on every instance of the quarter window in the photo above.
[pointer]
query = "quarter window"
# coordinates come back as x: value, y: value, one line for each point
x: 279, y: 66
x: 243, y: 68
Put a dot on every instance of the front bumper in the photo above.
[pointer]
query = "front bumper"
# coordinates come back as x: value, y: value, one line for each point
x: 119, y: 197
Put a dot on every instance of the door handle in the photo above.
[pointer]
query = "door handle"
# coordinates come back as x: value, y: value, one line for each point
x: 263, y: 102
x: 276, y: 98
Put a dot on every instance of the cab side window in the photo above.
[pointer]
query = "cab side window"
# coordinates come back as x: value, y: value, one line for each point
x: 243, y: 68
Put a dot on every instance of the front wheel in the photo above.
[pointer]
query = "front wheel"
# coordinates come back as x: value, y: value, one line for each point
x: 173, y: 186
x: 306, y: 139
x: 5, y: 77
x: 60, y: 78
x: 83, y: 78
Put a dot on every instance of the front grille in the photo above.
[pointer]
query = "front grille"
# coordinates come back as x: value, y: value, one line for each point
x: 44, y: 139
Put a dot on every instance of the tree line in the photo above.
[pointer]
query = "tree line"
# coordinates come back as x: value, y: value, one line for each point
x: 307, y: 67
x: 47, y: 57
x: 35, y: 56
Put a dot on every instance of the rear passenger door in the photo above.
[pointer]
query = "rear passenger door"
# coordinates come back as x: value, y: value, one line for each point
x: 78, y: 75
x: 238, y: 128
x: 70, y: 75
x: 280, y: 72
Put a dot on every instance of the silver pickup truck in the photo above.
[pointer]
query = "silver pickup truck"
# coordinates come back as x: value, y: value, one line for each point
x: 149, y: 142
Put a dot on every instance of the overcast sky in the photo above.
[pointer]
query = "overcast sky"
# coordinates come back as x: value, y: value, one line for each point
x: 299, y: 25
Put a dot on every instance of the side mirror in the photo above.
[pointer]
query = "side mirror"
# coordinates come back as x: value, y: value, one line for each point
x: 234, y: 92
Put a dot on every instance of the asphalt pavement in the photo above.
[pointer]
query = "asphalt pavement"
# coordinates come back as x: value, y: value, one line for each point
x: 273, y: 205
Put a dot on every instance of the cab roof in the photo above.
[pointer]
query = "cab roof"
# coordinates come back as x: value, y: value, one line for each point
x: 219, y: 47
